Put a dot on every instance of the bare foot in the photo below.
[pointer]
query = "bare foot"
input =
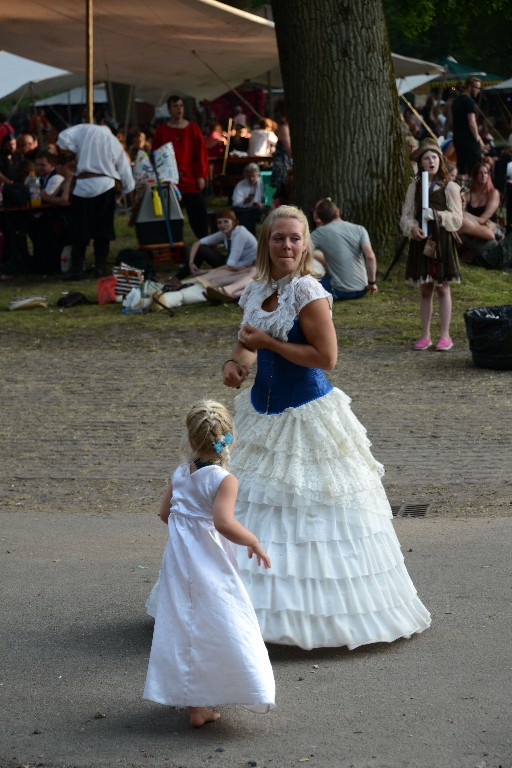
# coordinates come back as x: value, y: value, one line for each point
x: 201, y: 715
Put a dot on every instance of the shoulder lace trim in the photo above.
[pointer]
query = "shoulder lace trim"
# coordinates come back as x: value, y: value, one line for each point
x: 292, y: 296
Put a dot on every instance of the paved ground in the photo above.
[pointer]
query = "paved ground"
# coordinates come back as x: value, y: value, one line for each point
x: 89, y: 433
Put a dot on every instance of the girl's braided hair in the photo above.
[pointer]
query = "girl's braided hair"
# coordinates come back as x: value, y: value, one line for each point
x: 208, y: 422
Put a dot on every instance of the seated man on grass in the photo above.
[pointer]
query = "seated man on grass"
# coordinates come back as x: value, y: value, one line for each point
x: 345, y: 251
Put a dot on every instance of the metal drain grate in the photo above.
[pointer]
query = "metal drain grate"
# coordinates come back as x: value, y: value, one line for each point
x: 409, y: 510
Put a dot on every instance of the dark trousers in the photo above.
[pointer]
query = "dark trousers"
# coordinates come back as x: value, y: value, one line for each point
x: 338, y: 294
x: 469, y: 154
x: 249, y: 217
x: 101, y: 249
x: 48, y: 239
x: 195, y: 206
x: 508, y: 203
x: 92, y: 218
x: 17, y: 259
x: 205, y: 253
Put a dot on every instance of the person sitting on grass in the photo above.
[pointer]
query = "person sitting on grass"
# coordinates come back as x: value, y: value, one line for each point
x: 226, y: 281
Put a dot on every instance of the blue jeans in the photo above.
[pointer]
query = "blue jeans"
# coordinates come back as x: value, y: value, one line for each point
x: 341, y: 295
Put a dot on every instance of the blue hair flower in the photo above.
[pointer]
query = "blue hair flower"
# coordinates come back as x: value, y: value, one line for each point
x: 222, y: 442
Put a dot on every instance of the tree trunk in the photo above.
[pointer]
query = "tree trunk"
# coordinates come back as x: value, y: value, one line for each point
x: 342, y: 107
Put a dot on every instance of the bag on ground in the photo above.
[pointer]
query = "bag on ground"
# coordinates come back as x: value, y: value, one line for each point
x: 127, y: 278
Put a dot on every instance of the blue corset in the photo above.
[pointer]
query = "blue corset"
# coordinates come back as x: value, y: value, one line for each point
x: 280, y: 384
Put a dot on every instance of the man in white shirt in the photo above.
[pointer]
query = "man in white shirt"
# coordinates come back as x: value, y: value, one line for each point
x: 101, y: 163
x: 345, y: 251
x: 248, y: 198
x: 263, y: 140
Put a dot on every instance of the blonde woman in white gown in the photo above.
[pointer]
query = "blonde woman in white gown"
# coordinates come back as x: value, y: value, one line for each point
x: 309, y: 486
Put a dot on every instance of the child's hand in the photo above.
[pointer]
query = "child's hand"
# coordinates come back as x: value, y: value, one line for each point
x: 260, y: 553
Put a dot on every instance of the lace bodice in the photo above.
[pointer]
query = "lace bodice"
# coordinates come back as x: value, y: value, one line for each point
x: 293, y: 293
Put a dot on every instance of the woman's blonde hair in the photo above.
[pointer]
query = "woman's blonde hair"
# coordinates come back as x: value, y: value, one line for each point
x: 263, y: 264
x: 208, y: 423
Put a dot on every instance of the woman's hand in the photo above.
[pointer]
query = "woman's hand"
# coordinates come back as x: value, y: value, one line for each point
x: 417, y: 234
x: 194, y: 270
x: 254, y: 338
x: 234, y: 374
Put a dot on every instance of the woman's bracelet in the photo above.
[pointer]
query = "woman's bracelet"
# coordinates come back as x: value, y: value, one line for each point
x: 372, y: 282
x: 244, y: 368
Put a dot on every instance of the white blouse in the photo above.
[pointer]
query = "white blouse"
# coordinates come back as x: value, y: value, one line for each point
x: 293, y: 293
x: 451, y: 219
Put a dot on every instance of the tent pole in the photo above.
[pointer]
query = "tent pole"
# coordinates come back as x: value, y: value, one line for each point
x: 89, y: 56
x: 226, y: 151
x: 129, y: 105
x: 111, y: 101
x: 415, y: 112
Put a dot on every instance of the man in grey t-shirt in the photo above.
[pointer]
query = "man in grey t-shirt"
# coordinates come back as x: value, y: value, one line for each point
x: 345, y: 251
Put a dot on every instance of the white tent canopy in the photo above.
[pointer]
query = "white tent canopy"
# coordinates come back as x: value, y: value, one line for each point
x: 406, y: 67
x: 411, y: 83
x: 16, y: 73
x: 196, y: 47
x: 506, y: 85
x: 201, y: 48
x: 75, y: 96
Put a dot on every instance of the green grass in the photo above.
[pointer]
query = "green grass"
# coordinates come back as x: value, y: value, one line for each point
x: 390, y: 317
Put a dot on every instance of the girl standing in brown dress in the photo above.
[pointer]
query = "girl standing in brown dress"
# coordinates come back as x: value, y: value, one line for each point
x: 432, y: 261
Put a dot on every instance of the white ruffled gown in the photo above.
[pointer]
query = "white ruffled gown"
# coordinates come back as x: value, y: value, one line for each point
x: 310, y: 489
x: 207, y: 647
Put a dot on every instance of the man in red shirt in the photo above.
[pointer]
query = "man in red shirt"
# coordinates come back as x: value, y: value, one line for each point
x: 192, y: 160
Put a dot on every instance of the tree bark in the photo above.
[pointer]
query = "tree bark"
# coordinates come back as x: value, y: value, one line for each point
x: 342, y: 108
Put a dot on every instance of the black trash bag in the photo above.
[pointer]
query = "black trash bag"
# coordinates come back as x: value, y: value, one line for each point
x: 73, y: 299
x: 138, y: 259
x: 489, y: 331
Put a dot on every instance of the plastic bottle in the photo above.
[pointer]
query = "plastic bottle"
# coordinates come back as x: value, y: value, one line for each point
x: 65, y: 259
x: 34, y: 190
x: 157, y: 203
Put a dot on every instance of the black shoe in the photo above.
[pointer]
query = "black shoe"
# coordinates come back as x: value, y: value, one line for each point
x: 73, y: 276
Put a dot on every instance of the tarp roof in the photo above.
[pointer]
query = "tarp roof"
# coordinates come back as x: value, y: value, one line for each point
x: 200, y: 48
x: 196, y: 47
x: 456, y: 73
x: 505, y: 85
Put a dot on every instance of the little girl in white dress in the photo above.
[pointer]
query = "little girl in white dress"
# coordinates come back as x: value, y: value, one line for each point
x: 207, y: 646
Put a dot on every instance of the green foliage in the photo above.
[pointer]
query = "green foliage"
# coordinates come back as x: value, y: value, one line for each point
x: 409, y: 19
x: 473, y: 32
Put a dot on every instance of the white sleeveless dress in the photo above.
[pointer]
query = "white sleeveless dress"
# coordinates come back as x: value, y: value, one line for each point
x: 207, y: 646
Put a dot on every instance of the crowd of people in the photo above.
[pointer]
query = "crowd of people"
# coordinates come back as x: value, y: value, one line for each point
x: 73, y: 176
x: 35, y: 166
x: 468, y: 182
